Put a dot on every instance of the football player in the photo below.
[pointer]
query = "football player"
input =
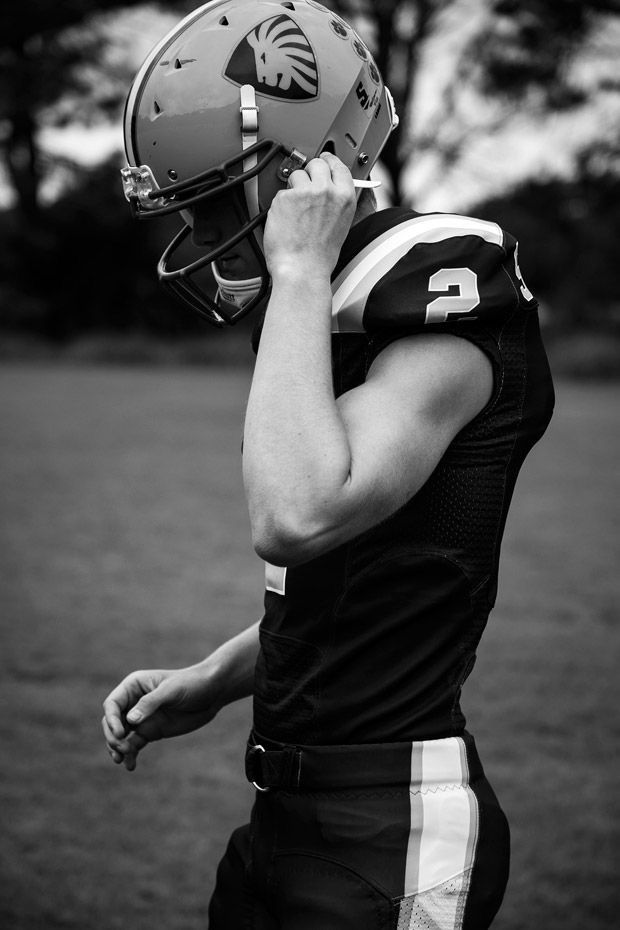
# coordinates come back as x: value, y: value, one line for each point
x: 400, y: 381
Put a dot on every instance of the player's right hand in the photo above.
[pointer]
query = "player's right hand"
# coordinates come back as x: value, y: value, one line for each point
x: 154, y: 704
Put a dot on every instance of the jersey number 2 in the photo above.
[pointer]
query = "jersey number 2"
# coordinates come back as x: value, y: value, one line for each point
x: 466, y: 300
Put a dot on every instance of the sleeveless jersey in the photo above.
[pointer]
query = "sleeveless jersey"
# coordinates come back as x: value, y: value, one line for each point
x: 371, y: 642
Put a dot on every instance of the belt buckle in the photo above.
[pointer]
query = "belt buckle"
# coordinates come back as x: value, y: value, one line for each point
x: 257, y: 786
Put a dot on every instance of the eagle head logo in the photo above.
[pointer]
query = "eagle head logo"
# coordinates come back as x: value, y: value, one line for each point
x: 277, y: 59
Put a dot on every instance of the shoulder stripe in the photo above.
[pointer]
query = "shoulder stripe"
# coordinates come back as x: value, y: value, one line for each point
x: 351, y: 288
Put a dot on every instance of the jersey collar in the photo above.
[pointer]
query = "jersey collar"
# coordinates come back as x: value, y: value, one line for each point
x: 369, y: 228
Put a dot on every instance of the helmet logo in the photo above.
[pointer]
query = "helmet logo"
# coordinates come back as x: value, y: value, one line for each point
x: 277, y: 59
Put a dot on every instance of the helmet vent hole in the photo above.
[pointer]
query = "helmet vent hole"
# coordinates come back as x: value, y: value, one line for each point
x: 156, y: 108
x: 178, y: 64
x: 351, y: 141
x: 288, y: 5
x: 224, y: 21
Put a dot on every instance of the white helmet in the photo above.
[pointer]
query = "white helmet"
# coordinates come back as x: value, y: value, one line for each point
x: 230, y: 102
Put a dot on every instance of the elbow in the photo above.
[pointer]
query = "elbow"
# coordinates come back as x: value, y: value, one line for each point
x: 286, y: 541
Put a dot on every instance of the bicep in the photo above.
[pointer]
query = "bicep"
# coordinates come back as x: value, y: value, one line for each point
x: 420, y: 392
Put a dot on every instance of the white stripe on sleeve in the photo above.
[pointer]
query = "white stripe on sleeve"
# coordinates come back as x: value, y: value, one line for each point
x: 351, y: 288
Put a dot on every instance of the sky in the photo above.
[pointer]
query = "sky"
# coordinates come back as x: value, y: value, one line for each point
x: 499, y: 152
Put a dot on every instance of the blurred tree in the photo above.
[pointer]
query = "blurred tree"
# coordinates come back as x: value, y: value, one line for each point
x: 518, y: 47
x: 568, y: 244
x: 513, y: 52
x: 83, y: 269
x: 42, y: 49
x: 513, y: 49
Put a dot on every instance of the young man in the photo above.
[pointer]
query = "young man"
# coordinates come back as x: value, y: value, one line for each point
x: 400, y: 381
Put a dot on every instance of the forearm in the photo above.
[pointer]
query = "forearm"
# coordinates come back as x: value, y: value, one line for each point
x: 233, y: 664
x: 296, y: 451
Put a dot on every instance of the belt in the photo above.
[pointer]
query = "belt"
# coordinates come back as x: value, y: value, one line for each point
x: 276, y: 765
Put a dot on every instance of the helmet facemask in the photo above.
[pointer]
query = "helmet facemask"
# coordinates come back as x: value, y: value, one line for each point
x: 147, y: 200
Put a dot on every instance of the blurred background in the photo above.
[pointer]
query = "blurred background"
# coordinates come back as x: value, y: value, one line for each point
x: 509, y: 109
x: 124, y: 539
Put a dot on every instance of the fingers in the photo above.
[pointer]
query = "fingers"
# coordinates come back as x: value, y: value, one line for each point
x: 133, y: 744
x: 115, y: 755
x: 340, y: 174
x: 148, y: 704
x: 133, y: 700
x: 113, y: 716
x: 119, y: 700
x: 298, y: 179
x: 321, y: 171
x: 123, y: 750
x: 124, y: 744
x: 316, y: 172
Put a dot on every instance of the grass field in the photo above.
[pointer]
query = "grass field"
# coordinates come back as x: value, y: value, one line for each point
x: 124, y: 544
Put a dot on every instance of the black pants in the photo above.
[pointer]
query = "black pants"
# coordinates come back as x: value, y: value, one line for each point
x: 424, y: 847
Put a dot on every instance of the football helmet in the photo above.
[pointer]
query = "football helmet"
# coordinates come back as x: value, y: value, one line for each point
x: 228, y: 104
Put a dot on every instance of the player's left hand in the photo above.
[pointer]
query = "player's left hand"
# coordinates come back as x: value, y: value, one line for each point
x: 308, y: 222
x: 154, y: 704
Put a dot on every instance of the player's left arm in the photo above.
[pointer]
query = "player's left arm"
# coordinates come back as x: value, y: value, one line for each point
x: 318, y: 471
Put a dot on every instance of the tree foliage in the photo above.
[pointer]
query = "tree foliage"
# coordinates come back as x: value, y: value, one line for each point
x: 87, y: 267
x: 568, y: 231
x: 513, y: 53
x: 518, y: 50
x: 43, y: 46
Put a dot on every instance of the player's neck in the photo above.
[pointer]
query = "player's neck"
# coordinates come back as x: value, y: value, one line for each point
x: 366, y: 205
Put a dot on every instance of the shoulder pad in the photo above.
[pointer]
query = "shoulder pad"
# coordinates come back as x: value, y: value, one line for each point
x: 428, y: 270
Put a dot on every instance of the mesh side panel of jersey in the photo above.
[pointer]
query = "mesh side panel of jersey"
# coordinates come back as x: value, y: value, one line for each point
x: 462, y: 507
x: 457, y: 511
x: 292, y: 669
x: 440, y: 908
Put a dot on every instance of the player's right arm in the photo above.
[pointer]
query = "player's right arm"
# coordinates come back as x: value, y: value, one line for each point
x: 154, y: 704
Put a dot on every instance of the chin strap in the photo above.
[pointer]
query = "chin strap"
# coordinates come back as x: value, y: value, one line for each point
x: 249, y: 136
x: 240, y: 293
x: 237, y: 293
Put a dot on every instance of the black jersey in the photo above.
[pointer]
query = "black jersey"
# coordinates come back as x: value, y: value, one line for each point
x: 372, y: 641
